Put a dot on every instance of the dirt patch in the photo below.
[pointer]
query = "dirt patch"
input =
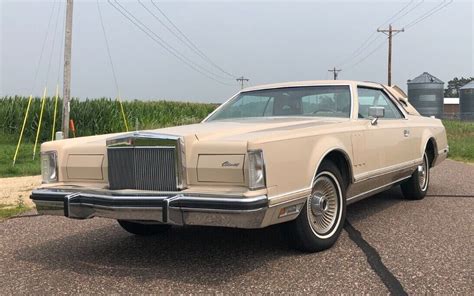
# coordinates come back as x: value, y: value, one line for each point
x: 18, y: 189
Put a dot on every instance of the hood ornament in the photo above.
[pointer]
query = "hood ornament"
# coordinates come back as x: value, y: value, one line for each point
x: 143, y: 138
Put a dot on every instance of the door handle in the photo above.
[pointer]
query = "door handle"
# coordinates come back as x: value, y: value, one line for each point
x: 406, y: 133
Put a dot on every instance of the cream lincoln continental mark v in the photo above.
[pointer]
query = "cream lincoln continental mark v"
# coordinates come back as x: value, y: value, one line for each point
x: 293, y: 153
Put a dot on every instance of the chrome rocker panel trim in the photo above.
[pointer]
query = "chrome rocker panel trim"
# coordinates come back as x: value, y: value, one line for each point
x: 178, y: 209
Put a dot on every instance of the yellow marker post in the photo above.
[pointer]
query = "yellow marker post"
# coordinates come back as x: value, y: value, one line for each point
x: 55, y: 111
x: 43, y: 101
x: 123, y: 113
x: 22, y: 129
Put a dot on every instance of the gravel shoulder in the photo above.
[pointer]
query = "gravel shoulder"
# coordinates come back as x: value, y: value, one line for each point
x: 16, y: 189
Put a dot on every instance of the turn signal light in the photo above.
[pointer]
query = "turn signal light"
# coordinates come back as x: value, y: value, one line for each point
x: 290, y: 210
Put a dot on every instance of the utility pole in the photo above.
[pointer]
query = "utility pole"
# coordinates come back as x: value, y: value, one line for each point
x: 67, y: 70
x: 335, y: 72
x: 241, y: 79
x: 389, y: 33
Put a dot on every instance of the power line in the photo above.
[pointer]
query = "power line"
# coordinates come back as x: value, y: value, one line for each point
x: 360, y: 49
x: 429, y: 13
x: 370, y: 40
x: 60, y: 52
x: 107, y: 47
x: 124, y: 117
x: 61, y: 48
x: 42, y: 47
x: 410, y: 10
x: 157, y: 39
x: 182, y: 37
x: 179, y: 38
x: 156, y: 17
x: 378, y: 47
x: 53, y: 44
x: 410, y: 24
x: 190, y: 42
x: 394, y: 17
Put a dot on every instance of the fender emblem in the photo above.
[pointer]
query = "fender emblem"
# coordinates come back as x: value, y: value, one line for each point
x: 229, y: 164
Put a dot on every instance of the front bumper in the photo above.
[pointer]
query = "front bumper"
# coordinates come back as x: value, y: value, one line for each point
x: 179, y: 209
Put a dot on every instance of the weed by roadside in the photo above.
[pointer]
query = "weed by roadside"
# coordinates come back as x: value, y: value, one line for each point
x: 7, y: 211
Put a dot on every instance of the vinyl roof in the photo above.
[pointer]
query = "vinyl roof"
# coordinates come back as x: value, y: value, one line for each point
x: 310, y: 83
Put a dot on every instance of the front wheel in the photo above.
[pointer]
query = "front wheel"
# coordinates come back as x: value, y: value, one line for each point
x: 143, y: 229
x: 416, y: 187
x: 322, y: 217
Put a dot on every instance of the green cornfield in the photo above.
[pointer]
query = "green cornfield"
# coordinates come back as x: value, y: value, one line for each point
x: 96, y: 116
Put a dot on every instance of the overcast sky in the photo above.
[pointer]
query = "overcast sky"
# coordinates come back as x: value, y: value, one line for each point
x: 266, y: 41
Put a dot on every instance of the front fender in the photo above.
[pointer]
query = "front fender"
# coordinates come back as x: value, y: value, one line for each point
x: 324, y: 146
x: 291, y: 164
x: 426, y: 135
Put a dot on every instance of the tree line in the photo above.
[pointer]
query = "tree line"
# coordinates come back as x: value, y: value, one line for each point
x: 453, y: 86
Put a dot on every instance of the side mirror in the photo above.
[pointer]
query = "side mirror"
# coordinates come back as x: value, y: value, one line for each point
x: 375, y: 113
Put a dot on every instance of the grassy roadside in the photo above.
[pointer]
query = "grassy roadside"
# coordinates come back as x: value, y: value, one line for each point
x: 460, y: 140
x: 7, y: 211
x: 10, y: 210
x: 25, y: 165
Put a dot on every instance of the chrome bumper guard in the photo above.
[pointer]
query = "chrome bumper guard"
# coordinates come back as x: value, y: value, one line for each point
x: 180, y: 209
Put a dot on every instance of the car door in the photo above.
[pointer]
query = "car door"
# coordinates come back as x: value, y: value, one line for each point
x: 387, y: 145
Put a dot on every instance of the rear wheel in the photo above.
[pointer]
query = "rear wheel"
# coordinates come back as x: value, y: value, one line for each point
x: 416, y: 187
x: 322, y: 217
x: 143, y: 229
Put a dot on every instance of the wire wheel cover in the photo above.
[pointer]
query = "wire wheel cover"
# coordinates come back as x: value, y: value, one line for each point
x: 323, y: 205
x: 423, y: 173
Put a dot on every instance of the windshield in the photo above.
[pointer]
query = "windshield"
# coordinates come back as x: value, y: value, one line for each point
x: 314, y: 101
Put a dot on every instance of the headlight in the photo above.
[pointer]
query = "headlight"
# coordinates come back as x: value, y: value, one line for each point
x: 256, y: 170
x: 49, y: 168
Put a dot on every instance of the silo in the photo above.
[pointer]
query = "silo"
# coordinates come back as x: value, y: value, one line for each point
x: 466, y: 101
x: 426, y: 94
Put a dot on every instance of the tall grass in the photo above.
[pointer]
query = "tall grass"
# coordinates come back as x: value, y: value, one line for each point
x: 460, y: 139
x: 98, y: 116
x: 25, y: 165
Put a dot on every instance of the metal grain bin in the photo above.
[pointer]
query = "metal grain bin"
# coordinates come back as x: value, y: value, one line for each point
x: 426, y: 94
x: 466, y: 101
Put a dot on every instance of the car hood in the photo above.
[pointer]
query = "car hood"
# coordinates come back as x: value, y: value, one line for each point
x: 242, y: 130
x: 80, y: 158
x: 247, y: 129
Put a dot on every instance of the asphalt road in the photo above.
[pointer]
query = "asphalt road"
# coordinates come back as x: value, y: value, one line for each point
x: 389, y: 245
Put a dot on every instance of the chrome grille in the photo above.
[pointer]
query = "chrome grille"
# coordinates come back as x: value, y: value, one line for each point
x: 143, y: 168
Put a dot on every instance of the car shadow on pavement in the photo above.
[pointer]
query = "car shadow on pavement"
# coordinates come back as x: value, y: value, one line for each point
x: 193, y: 255
x: 375, y: 204
x: 196, y: 255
